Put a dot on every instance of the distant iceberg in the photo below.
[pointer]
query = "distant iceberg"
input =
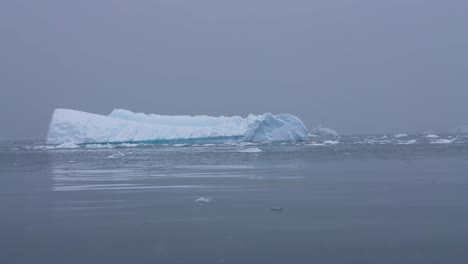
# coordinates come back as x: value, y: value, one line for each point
x: 443, y: 141
x: 323, y: 132
x: 459, y: 130
x: 70, y: 126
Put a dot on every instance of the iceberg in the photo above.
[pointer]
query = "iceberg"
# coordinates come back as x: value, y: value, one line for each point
x: 330, y: 142
x: 463, y: 129
x: 251, y: 150
x: 323, y: 132
x: 123, y: 126
x: 443, y: 141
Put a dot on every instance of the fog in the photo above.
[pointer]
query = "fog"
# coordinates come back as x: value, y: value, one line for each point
x: 359, y: 66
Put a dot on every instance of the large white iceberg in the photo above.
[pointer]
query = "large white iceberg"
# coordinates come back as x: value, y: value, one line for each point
x: 70, y: 126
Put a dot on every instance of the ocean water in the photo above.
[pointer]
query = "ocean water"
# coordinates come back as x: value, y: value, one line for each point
x: 354, y: 199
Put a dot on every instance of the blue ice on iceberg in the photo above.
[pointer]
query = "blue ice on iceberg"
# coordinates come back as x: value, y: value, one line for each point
x: 71, y: 126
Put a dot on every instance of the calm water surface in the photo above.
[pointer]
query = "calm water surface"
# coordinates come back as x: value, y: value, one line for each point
x: 349, y: 200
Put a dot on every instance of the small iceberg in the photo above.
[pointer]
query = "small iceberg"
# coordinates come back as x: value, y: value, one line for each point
x: 315, y: 144
x: 67, y: 146
x: 443, y: 141
x: 409, y: 142
x: 60, y: 146
x: 320, y: 131
x: 203, y: 200
x: 181, y: 145
x: 251, y: 150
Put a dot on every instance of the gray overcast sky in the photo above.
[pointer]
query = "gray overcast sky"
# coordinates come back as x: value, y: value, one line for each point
x: 358, y: 66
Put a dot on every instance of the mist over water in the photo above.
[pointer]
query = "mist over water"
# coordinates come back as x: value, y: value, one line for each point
x: 360, y: 67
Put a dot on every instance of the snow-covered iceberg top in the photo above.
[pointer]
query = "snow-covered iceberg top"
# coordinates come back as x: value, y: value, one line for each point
x: 70, y: 126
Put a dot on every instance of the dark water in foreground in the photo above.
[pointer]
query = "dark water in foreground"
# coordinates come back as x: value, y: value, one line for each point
x: 357, y: 200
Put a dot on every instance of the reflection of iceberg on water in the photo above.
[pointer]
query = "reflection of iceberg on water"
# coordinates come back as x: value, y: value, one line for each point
x: 70, y: 126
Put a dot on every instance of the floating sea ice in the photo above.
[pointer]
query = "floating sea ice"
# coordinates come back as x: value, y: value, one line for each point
x: 180, y: 145
x: 432, y: 136
x: 409, y: 142
x: 382, y: 142
x: 203, y: 200
x: 400, y: 135
x: 61, y: 146
x: 67, y: 146
x: 331, y: 142
x: 247, y: 143
x: 315, y: 144
x: 443, y: 141
x: 128, y: 145
x: 99, y: 146
x: 251, y: 150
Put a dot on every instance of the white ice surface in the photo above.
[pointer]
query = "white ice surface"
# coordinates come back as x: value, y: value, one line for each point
x: 443, y: 141
x: 251, y: 150
x: 331, y: 142
x: 409, y: 142
x: 70, y: 126
x: 203, y: 200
